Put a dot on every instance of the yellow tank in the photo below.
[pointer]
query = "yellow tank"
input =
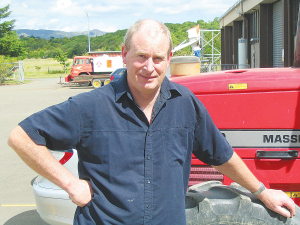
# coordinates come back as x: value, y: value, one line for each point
x: 184, y: 65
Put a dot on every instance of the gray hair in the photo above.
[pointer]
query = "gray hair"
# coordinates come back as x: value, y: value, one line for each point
x: 135, y: 27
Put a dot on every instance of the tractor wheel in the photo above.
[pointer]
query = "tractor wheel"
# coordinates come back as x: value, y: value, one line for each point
x: 96, y: 83
x: 212, y: 203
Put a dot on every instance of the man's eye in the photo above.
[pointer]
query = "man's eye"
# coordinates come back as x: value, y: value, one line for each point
x: 158, y: 59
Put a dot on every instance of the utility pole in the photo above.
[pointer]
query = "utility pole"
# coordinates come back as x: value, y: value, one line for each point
x: 89, y: 32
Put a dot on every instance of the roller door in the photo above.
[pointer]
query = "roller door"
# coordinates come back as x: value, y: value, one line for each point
x: 278, y: 34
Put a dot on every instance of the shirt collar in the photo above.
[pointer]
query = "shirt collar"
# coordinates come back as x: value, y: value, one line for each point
x: 121, y: 87
x: 168, y: 89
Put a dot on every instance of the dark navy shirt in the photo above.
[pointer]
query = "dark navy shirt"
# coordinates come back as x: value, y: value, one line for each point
x: 139, y: 172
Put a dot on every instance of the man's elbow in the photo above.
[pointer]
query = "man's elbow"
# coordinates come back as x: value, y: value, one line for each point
x: 15, y: 137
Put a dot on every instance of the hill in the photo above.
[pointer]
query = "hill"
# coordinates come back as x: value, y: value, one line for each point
x: 47, y: 34
x: 38, y: 46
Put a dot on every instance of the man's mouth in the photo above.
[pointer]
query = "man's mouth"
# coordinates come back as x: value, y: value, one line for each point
x: 148, y: 77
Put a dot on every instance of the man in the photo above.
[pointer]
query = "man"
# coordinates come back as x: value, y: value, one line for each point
x: 134, y: 139
x: 197, y: 50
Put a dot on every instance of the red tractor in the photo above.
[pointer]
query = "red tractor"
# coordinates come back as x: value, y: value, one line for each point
x: 258, y: 111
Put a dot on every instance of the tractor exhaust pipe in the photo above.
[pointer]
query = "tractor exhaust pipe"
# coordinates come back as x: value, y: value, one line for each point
x: 297, y: 49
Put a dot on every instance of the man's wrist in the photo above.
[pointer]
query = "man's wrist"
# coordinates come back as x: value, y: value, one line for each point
x: 260, y: 190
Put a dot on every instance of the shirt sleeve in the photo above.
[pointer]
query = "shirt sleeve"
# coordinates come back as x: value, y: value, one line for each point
x: 210, y: 146
x: 56, y: 127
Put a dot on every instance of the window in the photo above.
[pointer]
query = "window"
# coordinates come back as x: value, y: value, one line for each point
x: 78, y: 62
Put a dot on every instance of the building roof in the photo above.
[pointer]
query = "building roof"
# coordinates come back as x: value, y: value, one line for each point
x: 235, y: 12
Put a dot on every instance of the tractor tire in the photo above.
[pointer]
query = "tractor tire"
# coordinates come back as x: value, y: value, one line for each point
x: 212, y: 203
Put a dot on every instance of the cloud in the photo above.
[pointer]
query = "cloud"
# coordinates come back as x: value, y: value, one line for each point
x: 203, y: 7
x: 66, y: 7
x: 53, y: 20
x: 5, y: 3
x: 105, y: 27
x: 110, y: 15
x: 33, y: 23
x: 68, y: 28
x: 101, y: 9
x: 138, y: 14
x: 26, y: 11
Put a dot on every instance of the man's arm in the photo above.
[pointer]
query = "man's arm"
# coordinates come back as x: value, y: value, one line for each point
x: 41, y: 161
x: 237, y: 171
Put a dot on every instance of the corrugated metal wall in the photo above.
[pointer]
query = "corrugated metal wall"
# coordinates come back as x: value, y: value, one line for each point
x: 278, y: 34
x: 276, y: 23
x: 254, y: 35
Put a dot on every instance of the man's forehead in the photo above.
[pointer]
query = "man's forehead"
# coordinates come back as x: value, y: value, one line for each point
x: 145, y: 44
x: 151, y: 31
x: 153, y: 37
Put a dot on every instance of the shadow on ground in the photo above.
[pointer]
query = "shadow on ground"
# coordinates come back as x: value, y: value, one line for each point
x: 28, y: 217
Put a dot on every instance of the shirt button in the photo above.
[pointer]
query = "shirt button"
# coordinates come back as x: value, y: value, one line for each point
x: 148, y: 134
x: 148, y: 157
x: 149, y: 181
x: 148, y: 206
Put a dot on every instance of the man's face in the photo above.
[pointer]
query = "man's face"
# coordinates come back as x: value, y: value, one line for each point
x: 147, y: 61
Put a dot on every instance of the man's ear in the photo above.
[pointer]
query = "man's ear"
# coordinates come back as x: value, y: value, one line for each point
x: 124, y: 53
x: 171, y: 55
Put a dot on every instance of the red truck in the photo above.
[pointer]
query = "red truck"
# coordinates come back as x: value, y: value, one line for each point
x: 95, y: 71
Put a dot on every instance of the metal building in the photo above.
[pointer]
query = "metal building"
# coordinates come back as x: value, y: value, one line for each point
x: 266, y: 27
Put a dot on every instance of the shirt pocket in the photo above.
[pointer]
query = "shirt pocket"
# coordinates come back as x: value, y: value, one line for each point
x: 177, y: 144
x: 94, y: 147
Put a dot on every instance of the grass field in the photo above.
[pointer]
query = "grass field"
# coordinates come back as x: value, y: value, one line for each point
x: 40, y: 68
x: 44, y: 68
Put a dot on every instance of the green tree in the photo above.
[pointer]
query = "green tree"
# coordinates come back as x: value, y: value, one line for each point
x: 78, y: 45
x: 61, y: 57
x: 8, y: 25
x: 77, y: 49
x: 10, y: 45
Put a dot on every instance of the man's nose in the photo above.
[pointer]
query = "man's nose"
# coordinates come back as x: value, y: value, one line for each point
x: 149, y: 64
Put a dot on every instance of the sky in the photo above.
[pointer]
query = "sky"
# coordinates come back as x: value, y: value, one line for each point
x: 109, y: 15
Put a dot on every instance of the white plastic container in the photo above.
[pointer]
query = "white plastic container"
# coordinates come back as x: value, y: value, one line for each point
x: 184, y: 65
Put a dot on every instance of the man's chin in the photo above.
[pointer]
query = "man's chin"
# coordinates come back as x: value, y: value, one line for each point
x: 150, y: 85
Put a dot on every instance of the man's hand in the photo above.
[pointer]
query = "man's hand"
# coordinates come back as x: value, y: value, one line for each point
x: 277, y: 201
x: 81, y: 194
x: 39, y: 159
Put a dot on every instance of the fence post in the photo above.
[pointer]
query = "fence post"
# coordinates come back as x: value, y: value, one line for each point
x: 21, y: 72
